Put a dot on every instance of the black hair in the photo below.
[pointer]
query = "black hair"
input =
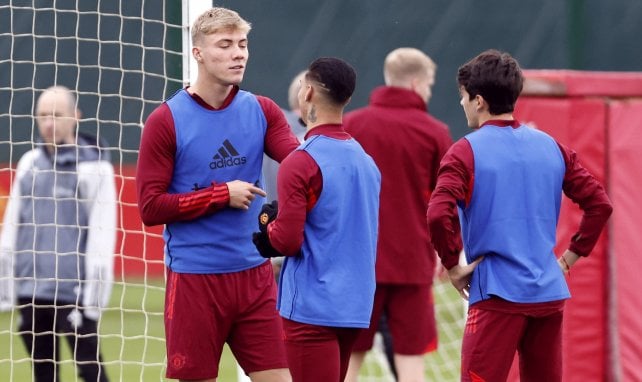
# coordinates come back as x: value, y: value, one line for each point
x: 494, y: 75
x: 334, y: 75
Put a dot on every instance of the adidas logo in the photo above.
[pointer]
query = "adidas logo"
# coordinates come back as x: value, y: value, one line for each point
x: 227, y: 156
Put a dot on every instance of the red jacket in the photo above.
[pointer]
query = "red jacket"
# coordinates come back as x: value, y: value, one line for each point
x: 407, y: 145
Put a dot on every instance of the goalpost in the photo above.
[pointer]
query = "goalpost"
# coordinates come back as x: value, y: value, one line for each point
x: 122, y: 59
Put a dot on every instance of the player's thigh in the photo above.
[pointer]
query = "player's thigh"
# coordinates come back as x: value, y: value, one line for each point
x: 411, y: 319
x: 197, y: 321
x: 256, y: 336
x: 541, y: 349
x: 489, y: 344
x: 318, y: 353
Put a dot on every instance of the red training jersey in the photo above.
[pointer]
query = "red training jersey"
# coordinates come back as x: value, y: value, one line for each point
x: 407, y: 144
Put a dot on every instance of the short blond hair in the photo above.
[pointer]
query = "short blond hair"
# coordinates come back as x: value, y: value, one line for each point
x: 404, y: 64
x: 216, y: 19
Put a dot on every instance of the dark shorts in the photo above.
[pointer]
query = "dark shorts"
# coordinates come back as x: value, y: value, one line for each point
x: 496, y: 329
x: 318, y: 353
x: 205, y: 311
x: 410, y: 315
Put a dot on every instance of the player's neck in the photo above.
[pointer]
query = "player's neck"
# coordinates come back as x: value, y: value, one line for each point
x: 324, y: 117
x: 485, y: 117
x: 213, y: 94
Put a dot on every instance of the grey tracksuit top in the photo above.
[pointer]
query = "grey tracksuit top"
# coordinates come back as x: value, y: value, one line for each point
x: 60, y: 224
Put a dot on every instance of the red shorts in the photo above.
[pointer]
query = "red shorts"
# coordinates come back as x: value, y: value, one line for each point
x: 496, y: 329
x: 318, y: 353
x: 204, y: 311
x: 410, y: 315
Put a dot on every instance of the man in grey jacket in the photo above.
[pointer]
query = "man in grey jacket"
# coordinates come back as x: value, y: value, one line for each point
x: 57, y: 240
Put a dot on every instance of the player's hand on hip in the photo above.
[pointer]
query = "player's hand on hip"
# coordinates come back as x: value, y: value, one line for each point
x: 460, y: 277
x: 567, y: 260
x: 243, y: 193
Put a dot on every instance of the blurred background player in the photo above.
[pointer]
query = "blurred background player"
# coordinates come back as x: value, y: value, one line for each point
x: 326, y: 225
x: 407, y: 144
x: 198, y: 173
x: 270, y: 166
x: 59, y: 234
x: 507, y: 179
x: 293, y: 116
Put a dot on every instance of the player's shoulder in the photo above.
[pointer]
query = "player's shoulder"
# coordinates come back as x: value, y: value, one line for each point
x: 175, y: 94
x: 161, y: 111
x: 438, y: 123
x: 92, y: 169
x: 27, y: 159
x: 358, y: 113
x: 298, y: 162
x: 265, y: 101
x: 358, y: 120
x: 460, y: 147
x: 160, y: 118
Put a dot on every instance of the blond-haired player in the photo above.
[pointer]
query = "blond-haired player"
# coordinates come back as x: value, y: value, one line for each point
x: 199, y: 174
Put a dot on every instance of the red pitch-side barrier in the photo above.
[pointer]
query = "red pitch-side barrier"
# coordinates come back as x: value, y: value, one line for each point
x: 140, y: 248
x: 598, y: 115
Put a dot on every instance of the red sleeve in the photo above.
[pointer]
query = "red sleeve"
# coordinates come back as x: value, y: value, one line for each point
x: 443, y: 141
x: 154, y: 174
x: 454, y: 184
x: 279, y: 139
x: 299, y: 184
x: 583, y: 189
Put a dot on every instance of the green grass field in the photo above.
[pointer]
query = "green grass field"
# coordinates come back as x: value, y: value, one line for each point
x: 132, y: 335
x: 133, y: 345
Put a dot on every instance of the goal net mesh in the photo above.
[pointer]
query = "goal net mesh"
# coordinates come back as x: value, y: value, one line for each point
x: 121, y: 59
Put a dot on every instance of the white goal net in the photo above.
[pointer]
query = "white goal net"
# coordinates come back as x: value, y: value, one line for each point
x: 121, y: 59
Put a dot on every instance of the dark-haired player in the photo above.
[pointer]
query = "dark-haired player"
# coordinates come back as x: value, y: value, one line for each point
x: 507, y: 180
x: 327, y: 227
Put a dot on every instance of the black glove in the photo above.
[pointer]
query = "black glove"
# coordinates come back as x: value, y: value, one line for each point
x: 268, y: 213
x: 262, y: 243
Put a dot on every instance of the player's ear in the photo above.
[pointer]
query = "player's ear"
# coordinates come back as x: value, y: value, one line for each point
x: 480, y: 102
x: 196, y: 52
x: 309, y: 91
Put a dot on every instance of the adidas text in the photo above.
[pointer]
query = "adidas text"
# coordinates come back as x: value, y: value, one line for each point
x: 227, y: 162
